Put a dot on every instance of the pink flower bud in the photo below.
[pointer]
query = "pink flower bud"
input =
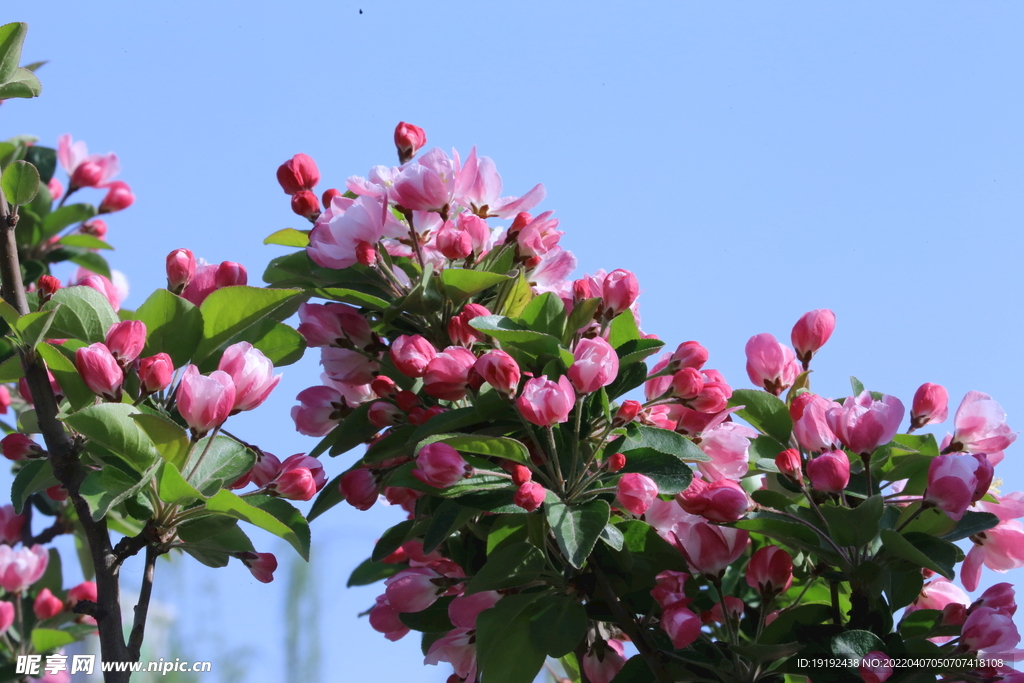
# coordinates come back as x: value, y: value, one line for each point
x: 83, y: 591
x: 411, y: 354
x: 299, y: 478
x: 811, y: 424
x: 181, y: 268
x: 811, y: 332
x: 626, y: 413
x: 251, y: 372
x: 529, y: 496
x: 360, y: 488
x: 334, y: 325
x: 329, y: 195
x: 874, y: 667
x: 414, y: 589
x: 829, y: 472
x: 499, y: 370
x: 709, y: 549
x: 409, y: 139
x: 447, y: 374
x: 47, y: 605
x: 681, y: 625
x: 100, y: 371
x: 463, y: 610
x: 956, y: 481
x: 689, y: 354
x: 790, y: 464
x: 596, y: 365
x: 988, y: 630
x: 297, y: 174
x: 156, y: 372
x: 931, y: 404
x: 722, y: 500
x: 384, y: 387
x: 770, y: 570
x: 56, y: 188
x: 384, y: 619
x: 21, y: 568
x: 770, y: 365
x: 635, y: 492
x: 366, y: 254
x: 454, y: 243
x: 1000, y: 597
x: 440, y: 465
x: 863, y: 424
x: 11, y: 524
x: 57, y: 493
x: 87, y: 174
x: 5, y: 399
x: 732, y: 604
x: 48, y: 286
x: 713, y: 398
x: 262, y: 565
x: 305, y: 204
x: 604, y: 661
x: 119, y: 197
x: 19, y: 447
x: 125, y: 340
x: 230, y: 274
x: 615, y: 462
x: 546, y: 403
x: 265, y: 470
x: 6, y: 615
x: 521, y: 220
x: 619, y: 291
x: 205, y: 401
x: 953, y: 614
x: 459, y: 329
x: 97, y: 227
x: 687, y: 383
x: 670, y: 588
x: 383, y: 414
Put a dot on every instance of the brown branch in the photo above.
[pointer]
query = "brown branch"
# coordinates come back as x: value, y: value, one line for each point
x: 142, y: 608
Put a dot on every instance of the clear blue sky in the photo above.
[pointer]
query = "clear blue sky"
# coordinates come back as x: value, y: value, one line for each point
x: 749, y: 161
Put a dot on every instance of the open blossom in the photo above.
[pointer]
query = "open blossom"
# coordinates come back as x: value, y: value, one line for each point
x: 604, y: 661
x: 84, y: 169
x: 539, y: 236
x: 811, y: 427
x: 414, y: 589
x: 938, y: 593
x: 728, y: 446
x: 708, y: 548
x: 596, y: 365
x: 770, y: 364
x: 458, y: 648
x: 20, y: 568
x: 334, y: 324
x: 956, y: 481
x: 333, y: 243
x: 463, y: 610
x: 1000, y: 548
x: 546, y: 403
x: 205, y: 401
x: 320, y: 410
x: 384, y: 619
x: 348, y: 366
x: 811, y: 332
x: 931, y: 405
x: 427, y: 185
x: 988, y: 630
x: 251, y: 372
x: 980, y: 425
x: 863, y: 424
x: 478, y: 188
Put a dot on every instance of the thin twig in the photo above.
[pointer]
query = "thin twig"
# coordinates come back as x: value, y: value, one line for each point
x: 142, y: 608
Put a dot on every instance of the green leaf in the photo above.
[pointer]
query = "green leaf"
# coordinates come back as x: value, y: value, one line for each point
x: 170, y: 439
x: 392, y: 540
x: 508, y: 567
x: 638, y: 349
x: 766, y: 413
x: 173, y: 326
x: 328, y: 497
x: 856, y: 527
x: 8, y: 313
x: 44, y: 159
x: 623, y: 329
x: 581, y: 316
x: 71, y: 383
x: 545, y: 313
x: 577, y: 527
x: 971, y: 523
x: 371, y: 572
x: 83, y: 314
x: 559, y: 624
x: 32, y: 328
x: 856, y: 644
x: 23, y: 84
x: 506, y: 649
x: 53, y: 577
x: 664, y: 441
x: 782, y: 629
x: 106, y: 487
x: 111, y: 426
x: 518, y: 297
x: 280, y: 343
x: 795, y: 535
x: 354, y: 430
x: 642, y: 540
x: 856, y: 385
x: 65, y: 216
x: 84, y: 241
x: 289, y: 515
x: 12, y: 38
x: 20, y: 182
x: 289, y: 237
x: 432, y: 619
x: 231, y: 310
x: 493, y: 446
x: 34, y: 475
x: 46, y: 639
x: 613, y: 537
x: 460, y: 284
x: 226, y: 502
x: 446, y: 520
x: 353, y: 297
x: 506, y: 330
x: 671, y: 474
x: 172, y: 487
x: 507, y: 529
x: 223, y: 461
x: 91, y: 261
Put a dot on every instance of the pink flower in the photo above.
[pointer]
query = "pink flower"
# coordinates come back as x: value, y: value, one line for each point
x: 1000, y: 548
x: 863, y: 424
x: 811, y: 332
x: 770, y: 365
x: 251, y: 372
x: 458, y: 648
x: 19, y: 569
x: 875, y: 668
x: 618, y: 292
x: 980, y: 425
x: 411, y: 354
x: 409, y: 139
x: 988, y: 630
x: 689, y: 354
x: 627, y: 412
x: 205, y: 401
x: 956, y: 481
x: 463, y: 610
x: 384, y: 619
x: 181, y: 268
x: 334, y: 325
x: 670, y: 588
x: 539, y: 236
x: 596, y: 365
x: 304, y: 203
x: 656, y: 387
x: 348, y: 366
x: 156, y: 372
x: 931, y: 404
x: 100, y: 371
x: 687, y: 383
x: 265, y: 470
x: 714, y: 397
x: 770, y: 570
x: 709, y: 549
x: 360, y: 488
x: 720, y: 501
x: 459, y: 329
x: 299, y: 478
x: 119, y: 197
x: 125, y: 340
x: 230, y: 274
x: 1000, y: 597
x: 829, y: 472
x: 56, y: 188
x: 604, y: 661
x: 415, y: 589
x: 546, y: 403
x: 319, y: 411
x: 6, y: 615
x: 427, y: 185
x: 83, y: 591
x: 10, y: 525
x: 440, y: 465
x: 447, y: 375
x: 529, y: 496
x: 478, y: 188
x: 733, y: 605
x: 635, y: 492
x: 728, y: 446
x: 47, y: 605
x: 681, y: 624
x: 811, y: 426
x: 262, y: 565
x: 383, y: 414
x: 500, y: 370
x: 18, y: 446
x: 454, y: 243
x: 790, y: 465
x: 298, y: 173
x: 549, y: 275
x: 84, y: 169
x: 333, y: 242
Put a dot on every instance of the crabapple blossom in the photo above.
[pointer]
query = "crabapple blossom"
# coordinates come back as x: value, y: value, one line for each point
x: 770, y: 570
x: 409, y: 139
x: 980, y: 426
x: 811, y: 332
x: 360, y: 488
x: 931, y: 405
x: 770, y: 364
x: 125, y: 340
x: 11, y: 524
x: 863, y: 423
x: 635, y: 492
x: 261, y: 565
x: 205, y: 401
x: 19, y: 446
x: 411, y: 354
x: 500, y: 370
x: 100, y: 371
x: 957, y: 481
x: 21, y: 568
x: 440, y: 465
x: 709, y: 549
x: 119, y: 197
x: 47, y: 605
x: 596, y: 365
x: 604, y: 661
x: 447, y: 374
x: 298, y: 173
x: 529, y: 496
x: 829, y: 472
x: 156, y: 372
x: 546, y: 403
x: 251, y: 372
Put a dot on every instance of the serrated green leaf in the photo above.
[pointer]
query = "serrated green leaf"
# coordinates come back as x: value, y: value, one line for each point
x: 71, y: 383
x: 12, y: 38
x: 83, y: 314
x: 664, y: 441
x: 857, y: 526
x: 559, y: 624
x: 767, y: 413
x: 577, y: 527
x: 23, y: 84
x: 170, y: 439
x: 460, y: 284
x: 492, y: 446
x: 172, y: 487
x: 671, y: 474
x: 34, y: 475
x: 506, y: 649
x: 508, y: 567
x: 111, y: 426
x: 46, y: 639
x: 227, y: 503
x: 371, y: 572
x: 215, y: 462
x: 231, y: 310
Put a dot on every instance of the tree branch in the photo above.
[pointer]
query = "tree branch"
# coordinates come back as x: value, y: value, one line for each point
x: 628, y: 623
x: 142, y: 608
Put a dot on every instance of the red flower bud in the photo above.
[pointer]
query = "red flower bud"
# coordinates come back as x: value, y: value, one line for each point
x: 181, y: 267
x: 529, y: 496
x: 119, y: 197
x: 626, y: 413
x: 48, y: 286
x: 409, y: 139
x: 297, y: 174
x: 328, y: 196
x: 305, y: 204
x: 789, y: 463
x: 615, y: 462
x: 155, y: 372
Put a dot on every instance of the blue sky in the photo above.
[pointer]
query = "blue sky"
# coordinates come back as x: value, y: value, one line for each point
x: 749, y: 161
